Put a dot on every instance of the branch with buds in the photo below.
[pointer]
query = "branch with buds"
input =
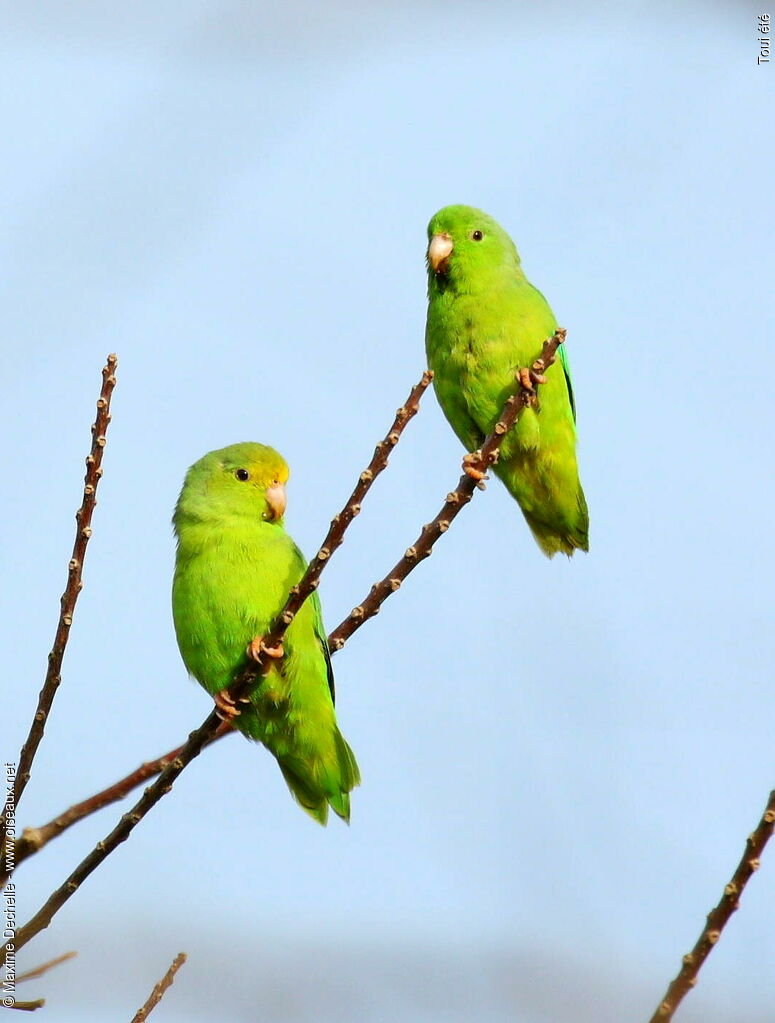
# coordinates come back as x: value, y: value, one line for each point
x: 479, y: 461
x: 719, y: 916
x: 332, y: 540
x: 74, y: 584
x: 159, y: 989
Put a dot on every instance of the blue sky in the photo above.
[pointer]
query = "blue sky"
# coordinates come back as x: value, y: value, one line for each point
x: 561, y: 760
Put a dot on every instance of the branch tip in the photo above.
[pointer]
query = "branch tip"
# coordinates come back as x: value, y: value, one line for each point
x: 718, y: 917
x: 159, y: 989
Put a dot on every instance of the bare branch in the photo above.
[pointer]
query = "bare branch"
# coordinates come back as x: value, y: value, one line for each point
x: 158, y: 992
x: 33, y: 839
x: 205, y: 734
x: 486, y: 456
x: 191, y: 749
x: 70, y: 596
x: 38, y: 971
x: 719, y: 916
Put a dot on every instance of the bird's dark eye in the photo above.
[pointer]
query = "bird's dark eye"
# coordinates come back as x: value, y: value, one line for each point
x: 242, y: 474
x: 477, y: 236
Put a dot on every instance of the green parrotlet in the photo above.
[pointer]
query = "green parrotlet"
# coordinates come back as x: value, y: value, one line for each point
x: 234, y: 568
x: 485, y: 322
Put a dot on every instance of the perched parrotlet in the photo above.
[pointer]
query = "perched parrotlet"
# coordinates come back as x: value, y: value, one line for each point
x: 234, y: 568
x: 485, y: 322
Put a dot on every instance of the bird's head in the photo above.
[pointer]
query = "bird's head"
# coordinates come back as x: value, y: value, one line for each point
x: 244, y: 481
x: 465, y: 244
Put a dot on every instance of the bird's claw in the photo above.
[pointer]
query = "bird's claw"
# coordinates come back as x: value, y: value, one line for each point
x: 257, y: 649
x: 474, y: 467
x: 532, y: 377
x: 225, y: 705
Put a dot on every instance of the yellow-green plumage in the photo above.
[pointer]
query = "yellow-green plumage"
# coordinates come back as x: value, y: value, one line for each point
x: 234, y: 568
x: 486, y: 321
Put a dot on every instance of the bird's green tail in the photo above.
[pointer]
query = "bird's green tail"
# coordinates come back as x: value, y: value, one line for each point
x: 563, y: 537
x: 551, y: 498
x: 322, y: 781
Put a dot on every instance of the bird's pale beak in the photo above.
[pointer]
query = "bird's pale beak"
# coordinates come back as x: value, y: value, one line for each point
x: 439, y: 251
x: 276, y: 500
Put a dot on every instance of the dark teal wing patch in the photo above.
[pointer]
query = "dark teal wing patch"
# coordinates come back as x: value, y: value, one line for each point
x: 329, y: 670
x: 320, y: 633
x: 566, y: 371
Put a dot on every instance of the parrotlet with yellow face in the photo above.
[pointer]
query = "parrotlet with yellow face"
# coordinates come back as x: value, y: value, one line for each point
x: 485, y: 322
x: 234, y: 569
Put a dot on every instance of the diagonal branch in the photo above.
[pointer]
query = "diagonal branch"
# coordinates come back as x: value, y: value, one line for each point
x: 159, y: 989
x: 486, y: 456
x: 191, y: 749
x: 33, y: 839
x: 28, y: 1006
x: 38, y: 971
x: 335, y: 535
x: 70, y: 596
x: 203, y: 735
x: 719, y: 916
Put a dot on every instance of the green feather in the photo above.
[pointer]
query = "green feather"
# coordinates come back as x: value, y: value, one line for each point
x: 234, y: 568
x: 485, y: 321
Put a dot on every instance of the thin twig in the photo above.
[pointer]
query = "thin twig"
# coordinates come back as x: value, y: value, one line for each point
x: 486, y: 455
x: 719, y: 916
x: 33, y: 839
x: 38, y: 971
x: 191, y: 749
x: 158, y: 992
x: 198, y: 739
x: 70, y: 596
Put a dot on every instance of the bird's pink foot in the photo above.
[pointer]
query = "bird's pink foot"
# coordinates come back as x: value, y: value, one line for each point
x: 257, y: 647
x: 474, y: 467
x: 533, y: 377
x: 225, y: 705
